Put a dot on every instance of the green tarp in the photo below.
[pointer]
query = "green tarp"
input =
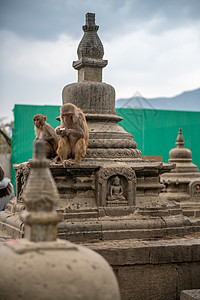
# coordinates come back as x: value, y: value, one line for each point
x: 154, y: 131
x: 23, y: 131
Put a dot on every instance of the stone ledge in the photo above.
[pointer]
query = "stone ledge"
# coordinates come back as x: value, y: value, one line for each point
x: 132, y: 252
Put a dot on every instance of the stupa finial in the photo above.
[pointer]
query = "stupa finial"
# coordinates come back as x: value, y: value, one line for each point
x: 40, y: 195
x: 90, y: 53
x: 90, y: 23
x: 180, y: 140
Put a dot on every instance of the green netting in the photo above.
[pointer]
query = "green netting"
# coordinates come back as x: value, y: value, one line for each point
x: 23, y: 132
x: 155, y: 131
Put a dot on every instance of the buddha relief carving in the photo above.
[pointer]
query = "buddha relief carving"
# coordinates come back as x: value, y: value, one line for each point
x: 115, y: 186
x: 116, y: 190
x: 196, y: 190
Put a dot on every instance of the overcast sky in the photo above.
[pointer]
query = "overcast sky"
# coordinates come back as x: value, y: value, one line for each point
x: 152, y: 47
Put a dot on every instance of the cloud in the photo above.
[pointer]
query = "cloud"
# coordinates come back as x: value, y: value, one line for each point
x: 34, y: 72
x: 151, y: 46
x: 36, y: 59
x: 48, y: 19
x: 163, y: 65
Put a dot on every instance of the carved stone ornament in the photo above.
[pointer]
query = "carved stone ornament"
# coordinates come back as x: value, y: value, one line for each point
x: 194, y: 189
x: 114, y: 143
x: 115, y: 186
x: 113, y: 153
x: 22, y: 173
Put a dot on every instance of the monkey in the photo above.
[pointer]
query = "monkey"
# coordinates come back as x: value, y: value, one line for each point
x: 74, y: 134
x: 44, y: 131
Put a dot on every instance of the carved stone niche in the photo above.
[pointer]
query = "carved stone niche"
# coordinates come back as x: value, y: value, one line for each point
x: 194, y: 189
x: 115, y: 186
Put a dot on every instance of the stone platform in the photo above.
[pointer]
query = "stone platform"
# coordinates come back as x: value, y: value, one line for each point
x: 89, y: 215
x: 156, y: 269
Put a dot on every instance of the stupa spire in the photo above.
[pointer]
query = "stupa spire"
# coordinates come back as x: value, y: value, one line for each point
x: 90, y: 53
x: 180, y: 140
x: 39, y: 195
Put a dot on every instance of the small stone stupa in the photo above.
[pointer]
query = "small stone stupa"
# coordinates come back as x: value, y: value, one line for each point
x: 41, y: 267
x: 113, y: 193
x: 183, y: 182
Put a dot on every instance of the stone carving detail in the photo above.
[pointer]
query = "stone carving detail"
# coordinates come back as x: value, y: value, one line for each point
x: 115, y: 186
x: 22, y: 172
x: 115, y: 195
x: 114, y: 143
x: 194, y: 189
x: 114, y: 153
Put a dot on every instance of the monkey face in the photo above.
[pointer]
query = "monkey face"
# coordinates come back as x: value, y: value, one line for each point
x: 67, y: 118
x: 39, y: 120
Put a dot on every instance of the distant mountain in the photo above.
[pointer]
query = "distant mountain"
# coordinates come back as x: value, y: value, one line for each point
x: 187, y: 101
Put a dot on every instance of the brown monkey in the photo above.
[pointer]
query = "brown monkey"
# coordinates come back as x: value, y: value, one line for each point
x: 74, y: 134
x: 44, y: 131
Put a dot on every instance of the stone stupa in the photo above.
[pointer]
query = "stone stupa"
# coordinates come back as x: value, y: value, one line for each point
x: 183, y: 182
x: 113, y: 193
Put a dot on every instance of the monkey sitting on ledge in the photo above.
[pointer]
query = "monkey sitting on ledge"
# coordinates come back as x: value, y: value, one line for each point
x: 74, y: 134
x: 45, y: 132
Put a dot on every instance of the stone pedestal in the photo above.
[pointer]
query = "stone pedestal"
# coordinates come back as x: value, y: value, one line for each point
x: 94, y: 206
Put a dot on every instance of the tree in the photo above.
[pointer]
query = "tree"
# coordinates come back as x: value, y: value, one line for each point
x: 5, y: 136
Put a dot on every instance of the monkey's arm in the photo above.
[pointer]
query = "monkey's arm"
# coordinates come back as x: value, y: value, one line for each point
x: 78, y: 133
x: 81, y: 130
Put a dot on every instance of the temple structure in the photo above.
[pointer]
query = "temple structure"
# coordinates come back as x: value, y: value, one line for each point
x: 183, y: 182
x: 112, y: 201
x: 113, y: 193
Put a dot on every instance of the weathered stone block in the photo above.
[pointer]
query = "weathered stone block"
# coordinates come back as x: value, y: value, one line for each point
x: 152, y: 282
x: 153, y: 269
x: 188, y: 276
